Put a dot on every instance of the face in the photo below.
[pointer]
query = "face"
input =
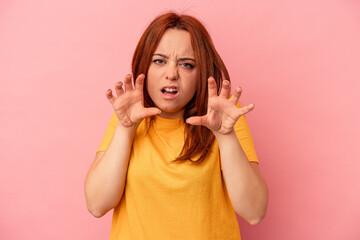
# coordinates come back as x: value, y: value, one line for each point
x: 171, y: 78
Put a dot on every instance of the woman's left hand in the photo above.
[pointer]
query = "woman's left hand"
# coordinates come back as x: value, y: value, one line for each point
x: 222, y: 112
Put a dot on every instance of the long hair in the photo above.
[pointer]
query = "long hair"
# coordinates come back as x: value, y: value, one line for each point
x: 198, y: 139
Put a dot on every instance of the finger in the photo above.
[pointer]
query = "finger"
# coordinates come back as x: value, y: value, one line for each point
x: 110, y: 96
x: 244, y: 110
x: 118, y: 88
x: 127, y: 83
x: 236, y: 95
x: 199, y: 120
x: 225, y: 89
x: 148, y: 112
x: 139, y: 83
x: 212, y: 90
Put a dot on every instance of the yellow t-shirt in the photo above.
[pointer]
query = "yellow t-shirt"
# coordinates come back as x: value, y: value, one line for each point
x: 165, y: 200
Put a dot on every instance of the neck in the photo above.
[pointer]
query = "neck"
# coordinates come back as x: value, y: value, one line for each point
x: 172, y: 115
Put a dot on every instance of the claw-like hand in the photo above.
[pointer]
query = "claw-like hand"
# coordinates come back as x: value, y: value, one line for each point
x: 222, y: 112
x: 129, y: 103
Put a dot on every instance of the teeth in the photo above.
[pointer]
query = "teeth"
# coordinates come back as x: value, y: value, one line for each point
x: 170, y: 89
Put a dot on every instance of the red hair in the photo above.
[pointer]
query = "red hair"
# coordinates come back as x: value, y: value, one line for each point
x: 198, y: 139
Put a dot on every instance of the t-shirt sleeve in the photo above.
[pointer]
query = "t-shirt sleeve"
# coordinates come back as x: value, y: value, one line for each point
x: 244, y: 136
x: 108, y: 133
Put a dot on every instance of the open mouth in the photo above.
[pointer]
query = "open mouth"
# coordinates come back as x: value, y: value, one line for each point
x: 169, y: 90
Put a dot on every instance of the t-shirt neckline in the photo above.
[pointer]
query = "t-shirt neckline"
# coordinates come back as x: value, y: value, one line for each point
x: 168, y: 122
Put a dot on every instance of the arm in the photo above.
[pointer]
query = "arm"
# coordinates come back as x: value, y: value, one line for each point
x: 105, y: 181
x: 246, y: 187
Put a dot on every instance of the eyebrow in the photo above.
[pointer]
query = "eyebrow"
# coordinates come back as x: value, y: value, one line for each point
x: 180, y: 59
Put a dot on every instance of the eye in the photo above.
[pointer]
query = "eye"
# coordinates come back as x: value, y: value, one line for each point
x: 187, y: 65
x: 159, y: 61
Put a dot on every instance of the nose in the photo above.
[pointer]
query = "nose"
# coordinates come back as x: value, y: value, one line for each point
x: 172, y: 73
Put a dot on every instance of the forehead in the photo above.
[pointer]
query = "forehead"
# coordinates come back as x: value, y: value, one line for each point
x: 175, y: 41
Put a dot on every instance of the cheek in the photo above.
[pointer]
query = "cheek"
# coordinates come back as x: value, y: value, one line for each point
x: 194, y: 82
x: 192, y: 88
x: 149, y: 87
x: 152, y: 78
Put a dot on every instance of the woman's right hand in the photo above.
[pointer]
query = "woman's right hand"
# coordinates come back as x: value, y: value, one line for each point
x: 129, y: 103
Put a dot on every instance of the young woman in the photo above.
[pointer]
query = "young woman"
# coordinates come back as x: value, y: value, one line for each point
x: 177, y: 159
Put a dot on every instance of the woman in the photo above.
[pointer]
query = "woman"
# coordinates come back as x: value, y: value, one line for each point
x: 177, y: 159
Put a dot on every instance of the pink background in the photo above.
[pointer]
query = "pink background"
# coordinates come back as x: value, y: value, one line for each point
x: 298, y: 61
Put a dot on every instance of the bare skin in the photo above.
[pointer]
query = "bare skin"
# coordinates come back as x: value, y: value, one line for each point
x: 105, y: 181
x: 246, y: 186
x: 222, y: 113
x: 129, y: 103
